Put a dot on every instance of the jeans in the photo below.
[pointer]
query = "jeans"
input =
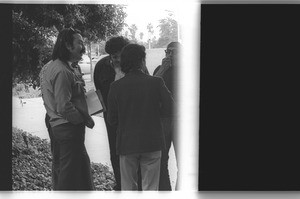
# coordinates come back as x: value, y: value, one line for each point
x: 149, y: 164
x: 114, y: 158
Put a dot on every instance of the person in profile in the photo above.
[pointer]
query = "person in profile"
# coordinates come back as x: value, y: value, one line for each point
x: 136, y: 104
x: 63, y: 94
x: 55, y: 171
x: 168, y: 71
x: 107, y: 70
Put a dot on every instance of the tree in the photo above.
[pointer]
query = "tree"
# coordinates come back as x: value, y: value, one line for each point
x: 168, y: 32
x: 32, y: 46
x: 95, y: 30
x: 141, y: 36
x: 126, y: 34
x: 150, y: 33
x: 36, y: 26
x: 132, y: 29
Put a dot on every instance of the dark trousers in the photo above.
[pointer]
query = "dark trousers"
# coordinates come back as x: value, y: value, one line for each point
x: 164, y: 180
x: 55, y: 158
x: 71, y: 168
x: 114, y: 158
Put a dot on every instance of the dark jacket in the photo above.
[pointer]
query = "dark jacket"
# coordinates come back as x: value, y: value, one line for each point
x: 104, y: 75
x: 169, y: 79
x: 135, y: 104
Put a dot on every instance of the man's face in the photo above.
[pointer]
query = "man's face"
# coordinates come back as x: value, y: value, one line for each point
x: 78, y: 49
x: 172, y: 53
x: 116, y: 59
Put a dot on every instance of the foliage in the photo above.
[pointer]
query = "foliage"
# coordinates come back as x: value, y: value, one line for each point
x: 31, y: 49
x: 100, y: 22
x: 168, y: 32
x: 35, y: 27
x: 31, y: 165
x: 133, y: 29
x: 31, y: 162
x: 150, y: 29
x: 25, y: 91
x: 141, y: 35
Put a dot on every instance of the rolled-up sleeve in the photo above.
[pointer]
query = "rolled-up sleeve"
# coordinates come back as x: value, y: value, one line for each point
x: 63, y: 95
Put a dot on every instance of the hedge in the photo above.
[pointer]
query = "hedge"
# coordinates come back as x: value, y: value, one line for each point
x: 31, y: 164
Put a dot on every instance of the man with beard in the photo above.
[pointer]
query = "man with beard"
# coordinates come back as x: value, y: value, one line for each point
x: 63, y: 94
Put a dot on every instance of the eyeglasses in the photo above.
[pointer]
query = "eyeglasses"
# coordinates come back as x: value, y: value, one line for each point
x: 173, y: 51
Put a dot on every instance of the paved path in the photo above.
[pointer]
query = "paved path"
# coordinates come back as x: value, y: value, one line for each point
x: 30, y: 117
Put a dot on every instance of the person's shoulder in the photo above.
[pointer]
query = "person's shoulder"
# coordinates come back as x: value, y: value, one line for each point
x: 57, y: 64
x: 153, y: 79
x: 157, y: 80
x: 58, y: 67
x: 103, y: 61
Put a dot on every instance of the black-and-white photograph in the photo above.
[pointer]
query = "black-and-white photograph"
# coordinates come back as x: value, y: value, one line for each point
x: 153, y: 99
x: 95, y: 97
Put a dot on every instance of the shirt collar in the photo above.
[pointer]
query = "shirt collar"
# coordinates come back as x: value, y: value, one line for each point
x: 70, y: 65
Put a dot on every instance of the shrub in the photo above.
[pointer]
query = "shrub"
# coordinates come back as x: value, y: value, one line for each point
x: 31, y: 164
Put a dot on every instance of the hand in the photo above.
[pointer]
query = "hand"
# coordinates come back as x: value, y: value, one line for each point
x: 166, y: 62
x: 90, y: 122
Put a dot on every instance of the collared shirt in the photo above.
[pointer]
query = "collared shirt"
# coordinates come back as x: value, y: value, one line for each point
x: 61, y: 90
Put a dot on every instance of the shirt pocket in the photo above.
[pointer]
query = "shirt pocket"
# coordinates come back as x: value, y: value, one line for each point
x: 78, y: 89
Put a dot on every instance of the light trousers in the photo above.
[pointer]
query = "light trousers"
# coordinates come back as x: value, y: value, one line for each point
x: 150, y: 170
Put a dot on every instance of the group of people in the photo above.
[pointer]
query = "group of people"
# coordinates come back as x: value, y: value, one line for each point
x: 139, y: 118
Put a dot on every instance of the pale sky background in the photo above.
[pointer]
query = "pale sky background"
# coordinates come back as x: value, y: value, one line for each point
x: 141, y: 14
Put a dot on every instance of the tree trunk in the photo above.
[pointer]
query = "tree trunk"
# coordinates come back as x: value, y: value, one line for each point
x: 149, y: 43
x: 90, y: 56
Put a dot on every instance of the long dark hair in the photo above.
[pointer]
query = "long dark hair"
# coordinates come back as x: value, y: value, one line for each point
x: 132, y: 56
x: 60, y: 51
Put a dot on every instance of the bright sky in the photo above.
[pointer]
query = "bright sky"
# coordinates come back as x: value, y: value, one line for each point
x: 141, y: 14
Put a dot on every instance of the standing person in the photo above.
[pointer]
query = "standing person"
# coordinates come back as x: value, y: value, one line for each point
x: 64, y: 100
x: 135, y: 104
x: 108, y: 70
x: 53, y: 143
x: 168, y: 71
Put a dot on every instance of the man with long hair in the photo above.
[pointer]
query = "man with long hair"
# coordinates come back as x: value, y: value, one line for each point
x: 63, y: 94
